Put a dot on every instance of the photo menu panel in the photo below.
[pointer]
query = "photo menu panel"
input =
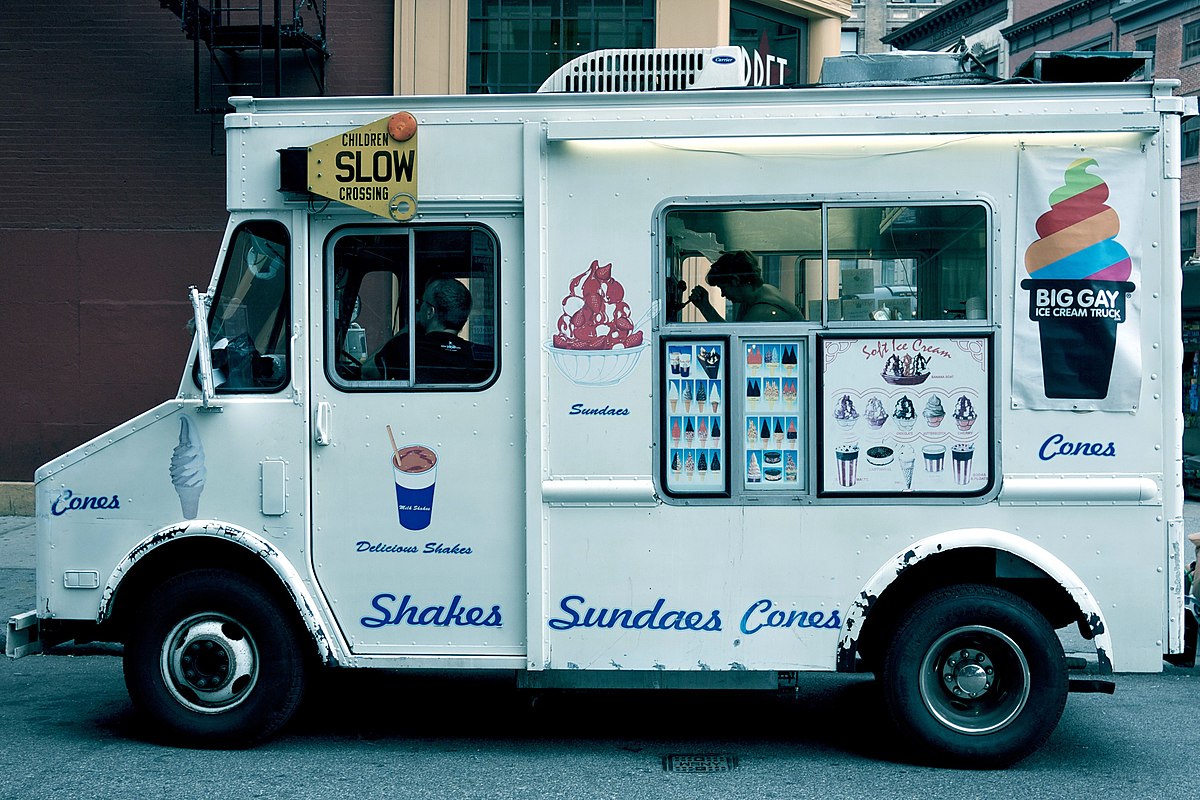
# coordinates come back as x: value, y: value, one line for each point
x: 696, y: 413
x: 772, y: 420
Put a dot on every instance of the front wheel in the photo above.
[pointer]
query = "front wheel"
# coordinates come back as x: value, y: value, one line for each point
x: 214, y: 660
x: 975, y: 677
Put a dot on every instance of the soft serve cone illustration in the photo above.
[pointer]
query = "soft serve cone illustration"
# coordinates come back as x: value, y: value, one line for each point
x: 187, y: 468
x: 1078, y: 282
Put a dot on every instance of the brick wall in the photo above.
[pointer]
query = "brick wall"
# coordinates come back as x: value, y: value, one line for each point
x: 113, y: 205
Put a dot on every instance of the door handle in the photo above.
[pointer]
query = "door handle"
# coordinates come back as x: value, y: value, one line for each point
x: 324, y: 435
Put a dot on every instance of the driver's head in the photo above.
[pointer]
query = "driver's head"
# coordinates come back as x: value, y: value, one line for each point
x: 445, y: 305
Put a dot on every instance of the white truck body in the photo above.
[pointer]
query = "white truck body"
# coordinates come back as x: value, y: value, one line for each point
x: 573, y: 534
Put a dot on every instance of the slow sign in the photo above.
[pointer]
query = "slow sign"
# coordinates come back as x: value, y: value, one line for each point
x: 373, y: 167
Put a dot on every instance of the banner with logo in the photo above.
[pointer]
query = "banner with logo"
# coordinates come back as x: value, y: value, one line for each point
x: 1078, y: 284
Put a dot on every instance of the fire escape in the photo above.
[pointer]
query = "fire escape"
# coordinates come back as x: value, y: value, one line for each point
x: 263, y: 48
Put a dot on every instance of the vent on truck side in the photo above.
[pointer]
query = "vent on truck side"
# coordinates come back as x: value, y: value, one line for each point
x: 651, y: 70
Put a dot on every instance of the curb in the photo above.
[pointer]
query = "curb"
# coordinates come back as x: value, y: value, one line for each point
x: 16, y: 499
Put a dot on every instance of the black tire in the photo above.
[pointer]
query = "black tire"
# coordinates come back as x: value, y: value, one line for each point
x: 214, y: 660
x: 974, y: 677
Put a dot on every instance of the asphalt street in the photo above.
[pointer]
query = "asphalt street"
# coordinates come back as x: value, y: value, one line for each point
x: 69, y: 729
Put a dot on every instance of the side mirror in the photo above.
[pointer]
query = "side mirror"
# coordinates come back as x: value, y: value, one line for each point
x: 203, y: 347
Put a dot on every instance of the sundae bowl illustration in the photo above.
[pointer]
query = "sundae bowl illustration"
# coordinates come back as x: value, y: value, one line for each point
x: 845, y: 413
x: 597, y: 344
x: 905, y: 413
x: 187, y: 468
x: 964, y: 413
x: 1078, y: 282
x: 908, y: 371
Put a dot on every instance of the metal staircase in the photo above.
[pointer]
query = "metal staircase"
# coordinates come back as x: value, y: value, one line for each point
x: 251, y: 47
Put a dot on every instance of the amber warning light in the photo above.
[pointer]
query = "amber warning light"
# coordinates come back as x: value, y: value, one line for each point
x: 373, y: 167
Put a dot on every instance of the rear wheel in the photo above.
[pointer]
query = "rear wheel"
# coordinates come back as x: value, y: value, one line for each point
x: 975, y: 677
x: 214, y: 660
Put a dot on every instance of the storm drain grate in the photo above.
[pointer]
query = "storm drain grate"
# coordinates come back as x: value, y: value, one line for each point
x: 699, y: 762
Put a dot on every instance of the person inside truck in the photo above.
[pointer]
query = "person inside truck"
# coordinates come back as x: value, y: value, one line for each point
x: 442, y: 355
x: 739, y: 278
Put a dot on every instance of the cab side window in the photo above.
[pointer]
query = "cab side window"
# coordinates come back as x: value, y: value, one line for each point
x: 249, y: 322
x: 414, y: 308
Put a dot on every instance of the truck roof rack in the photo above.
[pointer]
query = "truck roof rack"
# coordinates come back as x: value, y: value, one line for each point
x: 1086, y: 66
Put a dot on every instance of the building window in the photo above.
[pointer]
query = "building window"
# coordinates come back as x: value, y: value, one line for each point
x: 514, y: 45
x: 849, y: 42
x: 1191, y: 138
x: 1187, y: 234
x: 1191, y: 40
x: 775, y: 42
x: 1099, y: 44
x: 1146, y: 44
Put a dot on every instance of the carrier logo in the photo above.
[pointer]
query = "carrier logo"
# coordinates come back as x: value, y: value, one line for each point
x: 1057, y: 445
x: 69, y: 501
x: 722, y: 59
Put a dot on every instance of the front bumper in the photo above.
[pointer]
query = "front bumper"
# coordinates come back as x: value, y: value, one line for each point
x: 23, y: 637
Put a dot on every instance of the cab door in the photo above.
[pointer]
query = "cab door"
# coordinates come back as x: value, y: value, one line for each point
x: 417, y: 467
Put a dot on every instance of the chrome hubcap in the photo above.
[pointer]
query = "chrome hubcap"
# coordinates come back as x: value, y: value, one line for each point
x: 209, y: 663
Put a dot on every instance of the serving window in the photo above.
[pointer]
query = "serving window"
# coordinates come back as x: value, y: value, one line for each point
x: 855, y: 351
x: 827, y: 263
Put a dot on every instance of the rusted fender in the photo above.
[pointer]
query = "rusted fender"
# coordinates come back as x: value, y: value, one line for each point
x: 327, y: 647
x: 989, y: 538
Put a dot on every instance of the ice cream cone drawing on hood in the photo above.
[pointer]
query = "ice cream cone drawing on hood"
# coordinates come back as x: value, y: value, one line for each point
x: 187, y: 468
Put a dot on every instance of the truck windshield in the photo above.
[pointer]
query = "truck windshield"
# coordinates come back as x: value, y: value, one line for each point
x: 249, y: 322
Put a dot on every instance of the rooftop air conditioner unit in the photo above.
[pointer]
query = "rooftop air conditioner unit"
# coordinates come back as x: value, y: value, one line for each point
x: 651, y: 70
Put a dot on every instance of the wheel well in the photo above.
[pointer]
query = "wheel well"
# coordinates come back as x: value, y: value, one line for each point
x: 182, y: 555
x: 965, y: 565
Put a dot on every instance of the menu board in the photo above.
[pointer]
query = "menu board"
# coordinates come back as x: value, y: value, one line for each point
x: 771, y: 421
x: 696, y: 401
x: 905, y: 414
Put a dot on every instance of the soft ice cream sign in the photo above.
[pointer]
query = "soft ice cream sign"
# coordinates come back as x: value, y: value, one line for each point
x: 905, y: 414
x: 1078, y: 249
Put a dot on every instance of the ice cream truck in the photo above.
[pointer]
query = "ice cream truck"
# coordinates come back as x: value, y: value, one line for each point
x: 660, y: 389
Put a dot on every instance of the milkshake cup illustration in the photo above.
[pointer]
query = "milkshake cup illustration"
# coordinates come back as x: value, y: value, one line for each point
x: 935, y: 457
x: 415, y: 468
x: 847, y: 464
x: 1078, y: 282
x: 961, y: 455
x: 187, y: 468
